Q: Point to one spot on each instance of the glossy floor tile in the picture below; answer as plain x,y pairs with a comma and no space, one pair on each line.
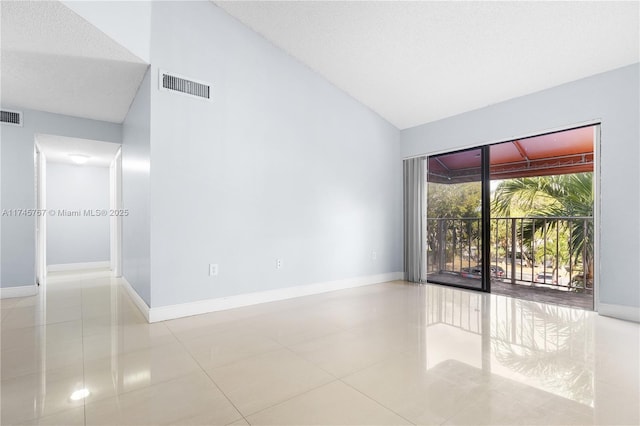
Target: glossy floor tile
262,381
172,402
332,404
80,353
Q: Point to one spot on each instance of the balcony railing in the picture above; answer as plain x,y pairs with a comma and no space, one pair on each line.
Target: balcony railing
554,252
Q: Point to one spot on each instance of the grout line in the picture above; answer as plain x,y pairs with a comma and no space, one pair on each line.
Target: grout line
206,374
376,401
313,363
203,336
335,379
293,397
256,355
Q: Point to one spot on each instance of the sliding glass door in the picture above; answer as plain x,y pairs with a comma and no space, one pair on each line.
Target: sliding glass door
456,217
515,214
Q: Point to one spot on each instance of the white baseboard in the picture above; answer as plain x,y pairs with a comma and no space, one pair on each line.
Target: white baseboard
77,266
21,291
137,300
628,313
164,313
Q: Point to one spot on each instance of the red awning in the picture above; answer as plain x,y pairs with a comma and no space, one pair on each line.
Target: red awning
569,151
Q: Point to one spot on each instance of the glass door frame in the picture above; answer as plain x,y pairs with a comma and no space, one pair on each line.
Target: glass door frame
485,219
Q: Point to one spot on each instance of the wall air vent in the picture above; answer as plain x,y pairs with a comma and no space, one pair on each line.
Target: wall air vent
13,118
175,83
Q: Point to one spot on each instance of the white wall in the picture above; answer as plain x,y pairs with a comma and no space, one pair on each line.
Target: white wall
612,98
18,188
135,193
281,164
72,239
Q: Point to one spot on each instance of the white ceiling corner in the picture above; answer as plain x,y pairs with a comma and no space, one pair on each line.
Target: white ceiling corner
53,60
56,149
414,62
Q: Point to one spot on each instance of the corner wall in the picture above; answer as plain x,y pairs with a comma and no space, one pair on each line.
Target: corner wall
136,238
612,98
279,165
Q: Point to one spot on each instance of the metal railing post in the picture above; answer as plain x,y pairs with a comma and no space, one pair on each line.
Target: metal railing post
450,239
570,255
585,272
513,251
441,245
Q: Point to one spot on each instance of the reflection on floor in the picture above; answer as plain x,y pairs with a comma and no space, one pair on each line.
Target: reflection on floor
394,353
520,291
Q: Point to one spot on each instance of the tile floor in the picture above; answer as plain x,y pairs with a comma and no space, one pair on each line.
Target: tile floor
392,353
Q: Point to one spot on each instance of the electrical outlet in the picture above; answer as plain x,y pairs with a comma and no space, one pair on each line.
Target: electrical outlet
278,263
374,255
213,269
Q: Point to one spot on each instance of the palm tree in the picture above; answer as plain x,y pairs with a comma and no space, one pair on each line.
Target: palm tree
542,197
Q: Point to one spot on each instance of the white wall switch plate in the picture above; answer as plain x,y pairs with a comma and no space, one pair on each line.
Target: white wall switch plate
213,269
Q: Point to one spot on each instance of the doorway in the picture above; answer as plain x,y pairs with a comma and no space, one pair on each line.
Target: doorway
517,217
78,197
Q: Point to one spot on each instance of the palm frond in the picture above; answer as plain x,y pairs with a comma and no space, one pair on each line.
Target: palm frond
568,196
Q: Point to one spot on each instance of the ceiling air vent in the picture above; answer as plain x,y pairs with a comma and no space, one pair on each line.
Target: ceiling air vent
13,118
190,87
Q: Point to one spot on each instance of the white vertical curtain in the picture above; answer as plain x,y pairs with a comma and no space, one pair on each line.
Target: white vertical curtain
415,232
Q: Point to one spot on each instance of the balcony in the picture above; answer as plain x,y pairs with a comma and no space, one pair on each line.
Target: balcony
535,258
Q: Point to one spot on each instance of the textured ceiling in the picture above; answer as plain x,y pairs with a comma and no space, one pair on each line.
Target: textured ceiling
55,61
57,149
415,62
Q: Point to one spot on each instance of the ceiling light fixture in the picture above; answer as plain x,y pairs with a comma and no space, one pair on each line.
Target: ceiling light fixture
79,158
79,394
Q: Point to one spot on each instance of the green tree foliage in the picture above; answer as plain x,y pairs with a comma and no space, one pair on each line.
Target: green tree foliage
454,200
542,197
445,234
561,195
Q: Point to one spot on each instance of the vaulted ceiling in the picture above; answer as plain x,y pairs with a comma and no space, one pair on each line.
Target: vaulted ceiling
411,62
419,61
